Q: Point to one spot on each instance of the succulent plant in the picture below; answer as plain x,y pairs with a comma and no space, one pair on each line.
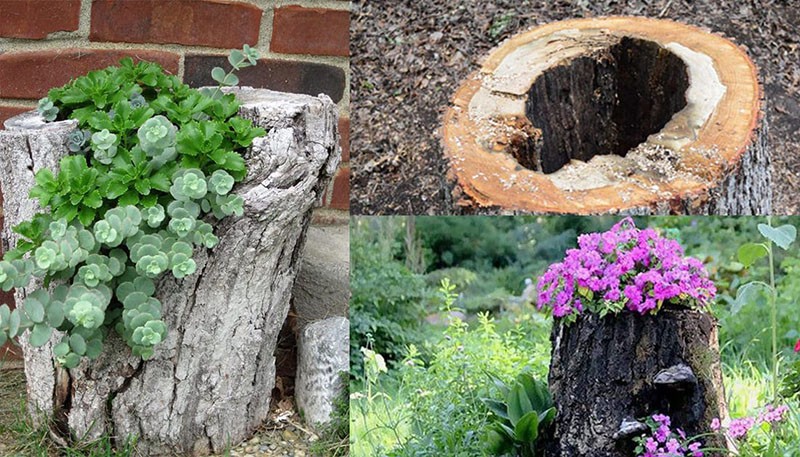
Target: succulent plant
156,135
220,182
117,224
188,184
78,140
182,223
130,211
154,215
104,146
137,101
47,110
204,235
85,307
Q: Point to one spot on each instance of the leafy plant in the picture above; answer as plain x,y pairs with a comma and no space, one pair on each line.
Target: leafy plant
525,410
152,161
748,254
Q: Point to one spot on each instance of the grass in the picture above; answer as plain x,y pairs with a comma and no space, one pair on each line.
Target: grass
378,424
19,437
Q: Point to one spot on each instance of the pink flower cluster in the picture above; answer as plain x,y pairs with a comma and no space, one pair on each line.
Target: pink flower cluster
738,428
625,265
665,442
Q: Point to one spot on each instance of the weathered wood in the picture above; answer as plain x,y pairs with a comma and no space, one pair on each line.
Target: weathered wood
209,383
608,370
624,115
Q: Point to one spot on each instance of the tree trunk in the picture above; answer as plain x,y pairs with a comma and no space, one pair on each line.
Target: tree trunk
624,115
628,367
209,383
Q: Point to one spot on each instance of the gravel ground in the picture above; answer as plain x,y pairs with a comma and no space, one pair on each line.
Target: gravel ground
408,60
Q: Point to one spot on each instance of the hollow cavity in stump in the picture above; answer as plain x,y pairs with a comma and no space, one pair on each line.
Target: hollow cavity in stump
604,104
612,115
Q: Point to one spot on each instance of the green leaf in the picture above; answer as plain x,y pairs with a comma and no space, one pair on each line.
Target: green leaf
230,80
547,417
13,323
527,428
34,309
750,252
86,216
93,200
783,236
218,74
131,197
77,344
497,407
40,334
750,293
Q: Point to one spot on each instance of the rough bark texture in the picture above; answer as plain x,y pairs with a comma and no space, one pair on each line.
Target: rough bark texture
614,115
209,382
605,371
322,356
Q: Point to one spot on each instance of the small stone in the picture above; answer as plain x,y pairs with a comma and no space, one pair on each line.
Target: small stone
289,435
299,453
255,440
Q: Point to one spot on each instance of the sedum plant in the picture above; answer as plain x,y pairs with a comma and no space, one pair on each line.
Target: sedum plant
151,166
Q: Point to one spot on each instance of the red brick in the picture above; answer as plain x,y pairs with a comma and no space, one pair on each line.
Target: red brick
5,113
32,74
315,31
340,198
344,133
220,24
35,19
281,75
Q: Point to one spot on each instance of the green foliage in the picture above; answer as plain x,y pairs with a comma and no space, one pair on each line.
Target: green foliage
525,410
386,305
150,161
445,410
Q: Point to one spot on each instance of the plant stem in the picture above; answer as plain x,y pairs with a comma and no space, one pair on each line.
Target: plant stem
774,310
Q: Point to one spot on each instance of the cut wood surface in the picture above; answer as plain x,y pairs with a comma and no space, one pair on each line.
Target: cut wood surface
623,368
610,115
209,383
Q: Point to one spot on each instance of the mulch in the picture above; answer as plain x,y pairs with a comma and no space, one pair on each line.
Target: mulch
408,57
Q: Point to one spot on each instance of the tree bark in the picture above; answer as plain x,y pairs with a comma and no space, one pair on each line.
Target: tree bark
622,368
209,383
614,115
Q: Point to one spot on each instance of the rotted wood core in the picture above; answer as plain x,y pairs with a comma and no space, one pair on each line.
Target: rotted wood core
607,103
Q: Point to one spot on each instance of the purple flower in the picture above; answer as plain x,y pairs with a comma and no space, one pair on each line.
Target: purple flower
638,269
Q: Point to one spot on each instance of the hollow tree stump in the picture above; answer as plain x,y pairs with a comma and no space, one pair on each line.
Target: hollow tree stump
209,383
610,115
606,371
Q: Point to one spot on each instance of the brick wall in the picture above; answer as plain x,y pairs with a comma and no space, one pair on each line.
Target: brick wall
303,44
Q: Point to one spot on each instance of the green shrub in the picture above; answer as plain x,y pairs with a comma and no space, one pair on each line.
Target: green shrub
386,305
447,416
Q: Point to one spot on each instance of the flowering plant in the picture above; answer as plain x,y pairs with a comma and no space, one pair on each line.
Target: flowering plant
666,442
624,267
739,428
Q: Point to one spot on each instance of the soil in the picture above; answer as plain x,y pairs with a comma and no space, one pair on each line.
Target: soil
407,61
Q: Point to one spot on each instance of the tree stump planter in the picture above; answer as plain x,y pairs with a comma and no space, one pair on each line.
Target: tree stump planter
209,383
610,115
606,371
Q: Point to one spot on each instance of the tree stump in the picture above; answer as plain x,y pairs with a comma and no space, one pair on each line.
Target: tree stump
622,115
606,371
209,383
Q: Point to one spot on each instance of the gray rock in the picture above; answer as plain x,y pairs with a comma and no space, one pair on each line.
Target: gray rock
322,289
322,354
